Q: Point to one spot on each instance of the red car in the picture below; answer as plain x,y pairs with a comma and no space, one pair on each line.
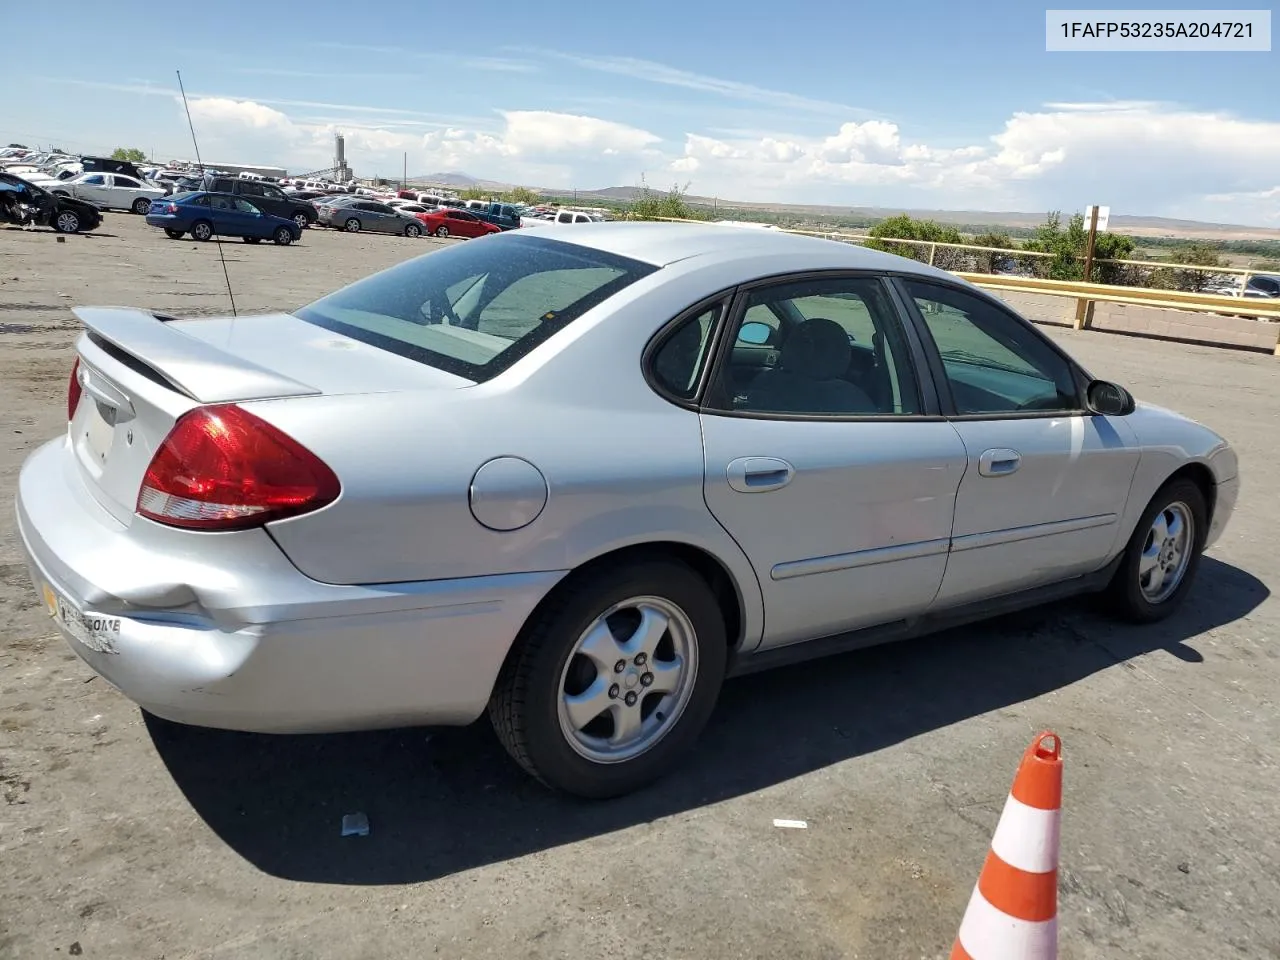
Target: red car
455,223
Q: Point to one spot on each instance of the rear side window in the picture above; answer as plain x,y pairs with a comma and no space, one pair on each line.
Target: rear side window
474,309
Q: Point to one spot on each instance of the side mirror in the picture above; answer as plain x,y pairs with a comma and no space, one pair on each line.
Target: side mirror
1109,399
755,333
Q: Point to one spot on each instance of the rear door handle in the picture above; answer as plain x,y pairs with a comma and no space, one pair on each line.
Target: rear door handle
758,474
999,462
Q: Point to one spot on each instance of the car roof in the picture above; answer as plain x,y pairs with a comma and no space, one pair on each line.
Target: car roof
661,244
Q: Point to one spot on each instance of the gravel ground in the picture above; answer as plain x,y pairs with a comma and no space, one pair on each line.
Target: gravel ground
124,836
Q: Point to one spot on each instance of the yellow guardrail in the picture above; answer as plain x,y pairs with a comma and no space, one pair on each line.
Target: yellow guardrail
1136,296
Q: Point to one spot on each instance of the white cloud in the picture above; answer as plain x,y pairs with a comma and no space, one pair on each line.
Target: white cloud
528,144
541,131
1139,157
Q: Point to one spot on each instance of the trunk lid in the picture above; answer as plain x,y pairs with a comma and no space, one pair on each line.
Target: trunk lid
139,372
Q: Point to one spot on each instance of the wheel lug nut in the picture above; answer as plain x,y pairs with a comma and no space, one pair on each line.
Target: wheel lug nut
631,698
646,680
620,666
641,658
613,692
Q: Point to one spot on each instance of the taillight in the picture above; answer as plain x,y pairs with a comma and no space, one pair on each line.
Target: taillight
73,390
222,468
173,208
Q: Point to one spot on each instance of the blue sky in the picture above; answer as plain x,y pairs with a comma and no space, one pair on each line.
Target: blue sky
907,104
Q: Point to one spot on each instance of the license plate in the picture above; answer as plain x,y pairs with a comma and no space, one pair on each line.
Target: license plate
92,630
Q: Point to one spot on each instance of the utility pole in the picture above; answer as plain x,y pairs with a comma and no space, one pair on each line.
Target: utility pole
404,183
1083,306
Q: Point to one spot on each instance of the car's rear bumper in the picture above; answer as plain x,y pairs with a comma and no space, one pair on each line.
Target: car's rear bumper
222,630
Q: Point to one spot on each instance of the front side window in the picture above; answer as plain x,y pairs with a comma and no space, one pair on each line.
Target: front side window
679,360
95,180
474,309
823,347
994,364
244,206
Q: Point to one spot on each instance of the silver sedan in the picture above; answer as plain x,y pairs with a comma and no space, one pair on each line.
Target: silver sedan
355,213
577,480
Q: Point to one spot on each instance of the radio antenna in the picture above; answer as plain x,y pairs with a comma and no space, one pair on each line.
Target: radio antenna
200,163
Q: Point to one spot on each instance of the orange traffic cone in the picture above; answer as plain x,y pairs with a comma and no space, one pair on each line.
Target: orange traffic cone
1013,913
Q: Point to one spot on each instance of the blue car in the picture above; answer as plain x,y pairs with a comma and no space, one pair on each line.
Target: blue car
203,214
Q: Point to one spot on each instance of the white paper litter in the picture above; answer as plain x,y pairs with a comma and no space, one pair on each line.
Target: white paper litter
792,824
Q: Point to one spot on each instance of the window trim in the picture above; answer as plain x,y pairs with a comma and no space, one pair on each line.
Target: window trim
915,355
942,384
724,299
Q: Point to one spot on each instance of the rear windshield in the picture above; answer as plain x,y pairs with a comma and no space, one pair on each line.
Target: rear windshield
476,307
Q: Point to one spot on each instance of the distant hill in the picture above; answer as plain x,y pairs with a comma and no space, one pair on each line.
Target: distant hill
1138,226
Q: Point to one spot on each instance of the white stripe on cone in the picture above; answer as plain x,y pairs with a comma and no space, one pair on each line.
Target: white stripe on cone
1027,837
988,934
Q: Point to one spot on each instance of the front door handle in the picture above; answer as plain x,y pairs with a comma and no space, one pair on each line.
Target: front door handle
758,474
999,462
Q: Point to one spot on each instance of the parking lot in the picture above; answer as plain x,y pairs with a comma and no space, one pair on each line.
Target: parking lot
125,836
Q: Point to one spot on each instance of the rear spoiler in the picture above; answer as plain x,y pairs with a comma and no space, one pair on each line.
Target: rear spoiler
193,367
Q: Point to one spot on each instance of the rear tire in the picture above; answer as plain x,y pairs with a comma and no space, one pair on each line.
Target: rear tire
302,220
175,234
352,225
282,237
544,705
202,230
1162,557
412,231
141,206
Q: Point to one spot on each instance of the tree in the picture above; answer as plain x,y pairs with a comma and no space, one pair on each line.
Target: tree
474,193
131,154
523,195
1199,254
1067,247
902,227
987,262
652,205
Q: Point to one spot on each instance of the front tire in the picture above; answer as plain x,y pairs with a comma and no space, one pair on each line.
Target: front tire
1163,555
613,679
67,221
202,230
442,231
142,206
282,237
